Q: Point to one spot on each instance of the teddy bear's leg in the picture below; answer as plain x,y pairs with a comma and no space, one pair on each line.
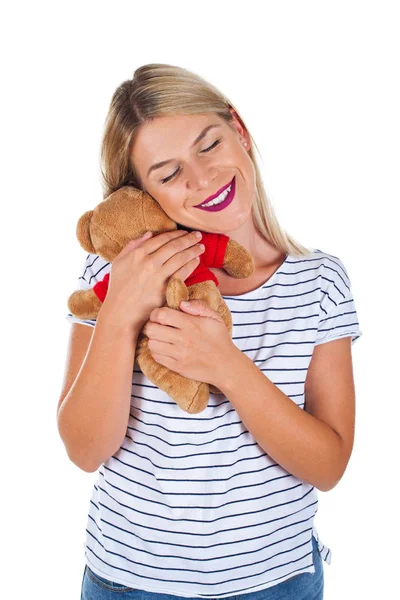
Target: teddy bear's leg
190,395
238,262
84,304
176,292
206,291
209,293
225,314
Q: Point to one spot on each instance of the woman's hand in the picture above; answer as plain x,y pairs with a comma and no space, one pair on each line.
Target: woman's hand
140,274
195,343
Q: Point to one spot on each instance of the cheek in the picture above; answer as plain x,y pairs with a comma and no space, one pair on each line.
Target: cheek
251,173
246,167
173,205
240,162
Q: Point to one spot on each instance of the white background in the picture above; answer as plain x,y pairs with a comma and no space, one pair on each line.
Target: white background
318,85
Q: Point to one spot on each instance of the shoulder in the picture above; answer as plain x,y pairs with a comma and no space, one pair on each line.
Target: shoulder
319,259
327,267
333,286
322,274
333,272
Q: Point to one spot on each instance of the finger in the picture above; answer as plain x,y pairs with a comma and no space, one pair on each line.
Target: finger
162,348
201,308
162,333
176,253
184,272
169,316
135,243
161,239
181,259
168,362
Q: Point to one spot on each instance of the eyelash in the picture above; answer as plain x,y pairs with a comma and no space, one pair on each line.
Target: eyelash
214,145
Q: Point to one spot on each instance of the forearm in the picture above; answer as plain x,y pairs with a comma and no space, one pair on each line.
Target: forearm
302,444
93,417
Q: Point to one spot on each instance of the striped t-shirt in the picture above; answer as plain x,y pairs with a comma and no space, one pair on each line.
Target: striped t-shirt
191,505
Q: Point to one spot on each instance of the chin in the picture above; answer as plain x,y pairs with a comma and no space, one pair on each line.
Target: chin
242,220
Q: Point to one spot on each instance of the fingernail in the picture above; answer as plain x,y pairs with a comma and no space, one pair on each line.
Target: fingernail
184,303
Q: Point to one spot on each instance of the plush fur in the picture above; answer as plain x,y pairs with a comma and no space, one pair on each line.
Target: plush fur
126,215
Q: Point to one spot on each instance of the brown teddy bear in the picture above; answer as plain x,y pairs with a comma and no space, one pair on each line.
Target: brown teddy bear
127,214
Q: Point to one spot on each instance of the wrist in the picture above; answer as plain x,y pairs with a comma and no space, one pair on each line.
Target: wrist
110,318
228,368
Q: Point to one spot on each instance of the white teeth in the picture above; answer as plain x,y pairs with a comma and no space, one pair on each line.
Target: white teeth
219,198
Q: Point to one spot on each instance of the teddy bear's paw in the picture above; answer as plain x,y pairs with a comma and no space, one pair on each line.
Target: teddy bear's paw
214,390
238,262
176,292
225,314
84,304
206,291
190,395
199,401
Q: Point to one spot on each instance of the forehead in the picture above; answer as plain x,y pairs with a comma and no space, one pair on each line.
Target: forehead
167,137
176,125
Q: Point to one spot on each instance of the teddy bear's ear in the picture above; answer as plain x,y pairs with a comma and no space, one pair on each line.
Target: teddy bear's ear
83,232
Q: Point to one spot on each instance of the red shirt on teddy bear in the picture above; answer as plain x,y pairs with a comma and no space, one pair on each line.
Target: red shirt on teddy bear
213,256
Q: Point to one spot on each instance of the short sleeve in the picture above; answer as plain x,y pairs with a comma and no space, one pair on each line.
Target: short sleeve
92,270
338,315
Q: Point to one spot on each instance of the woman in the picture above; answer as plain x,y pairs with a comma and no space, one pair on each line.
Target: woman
220,503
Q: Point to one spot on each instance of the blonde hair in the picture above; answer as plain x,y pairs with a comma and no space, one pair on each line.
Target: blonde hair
160,90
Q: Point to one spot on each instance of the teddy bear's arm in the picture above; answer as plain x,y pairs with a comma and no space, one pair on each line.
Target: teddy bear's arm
215,248
224,253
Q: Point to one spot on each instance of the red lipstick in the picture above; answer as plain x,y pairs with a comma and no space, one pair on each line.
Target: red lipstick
222,204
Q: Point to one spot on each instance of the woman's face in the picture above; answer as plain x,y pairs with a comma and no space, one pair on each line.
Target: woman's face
191,169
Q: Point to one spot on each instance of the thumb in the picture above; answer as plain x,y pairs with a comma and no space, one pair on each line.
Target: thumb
199,307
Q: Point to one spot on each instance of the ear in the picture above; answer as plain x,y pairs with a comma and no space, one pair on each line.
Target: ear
83,232
239,126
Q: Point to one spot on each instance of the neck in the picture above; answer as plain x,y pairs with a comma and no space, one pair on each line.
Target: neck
263,252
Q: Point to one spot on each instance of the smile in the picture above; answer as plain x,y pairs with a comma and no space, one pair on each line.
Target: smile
221,201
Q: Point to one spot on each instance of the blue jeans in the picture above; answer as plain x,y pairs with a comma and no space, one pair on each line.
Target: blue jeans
306,586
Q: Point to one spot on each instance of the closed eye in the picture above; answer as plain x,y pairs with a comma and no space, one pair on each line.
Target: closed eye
214,145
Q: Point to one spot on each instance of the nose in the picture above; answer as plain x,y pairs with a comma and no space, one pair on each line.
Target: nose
200,176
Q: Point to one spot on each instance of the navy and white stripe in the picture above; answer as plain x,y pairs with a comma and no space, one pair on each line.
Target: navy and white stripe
191,505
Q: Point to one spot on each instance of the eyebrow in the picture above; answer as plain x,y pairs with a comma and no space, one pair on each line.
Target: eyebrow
196,141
